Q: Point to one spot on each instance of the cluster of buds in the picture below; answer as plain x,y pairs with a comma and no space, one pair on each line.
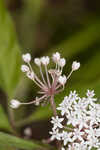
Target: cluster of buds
50,85
79,126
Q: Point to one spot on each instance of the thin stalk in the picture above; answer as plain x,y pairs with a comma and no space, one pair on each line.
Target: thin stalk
40,92
36,77
40,82
58,86
12,121
69,74
54,82
42,76
30,67
32,102
53,105
59,91
37,84
48,80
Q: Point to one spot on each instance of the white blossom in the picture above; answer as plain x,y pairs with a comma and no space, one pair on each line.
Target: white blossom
37,61
77,134
77,146
62,80
56,121
92,141
28,131
24,68
45,60
26,57
30,75
62,62
55,135
14,103
90,93
72,119
65,106
66,137
97,132
73,96
81,130
62,148
75,65
56,57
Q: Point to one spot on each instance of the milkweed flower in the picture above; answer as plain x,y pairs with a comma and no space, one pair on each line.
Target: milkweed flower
80,122
56,121
50,85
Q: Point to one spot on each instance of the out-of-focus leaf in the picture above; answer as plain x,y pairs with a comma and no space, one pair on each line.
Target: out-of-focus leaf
37,5
2,147
4,123
9,53
80,41
9,140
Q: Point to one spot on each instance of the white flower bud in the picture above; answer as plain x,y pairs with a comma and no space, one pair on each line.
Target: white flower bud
45,60
62,148
56,57
14,103
62,62
26,57
27,131
37,61
75,65
24,68
30,75
62,80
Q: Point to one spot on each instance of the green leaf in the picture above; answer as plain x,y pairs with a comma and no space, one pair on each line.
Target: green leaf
12,141
2,147
4,123
9,53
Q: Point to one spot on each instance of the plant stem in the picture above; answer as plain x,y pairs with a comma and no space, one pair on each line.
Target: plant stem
48,80
53,105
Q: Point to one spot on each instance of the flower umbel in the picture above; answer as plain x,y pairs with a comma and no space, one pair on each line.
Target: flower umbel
49,86
81,130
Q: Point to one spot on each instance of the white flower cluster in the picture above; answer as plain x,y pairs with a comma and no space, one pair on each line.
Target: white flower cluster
79,127
53,80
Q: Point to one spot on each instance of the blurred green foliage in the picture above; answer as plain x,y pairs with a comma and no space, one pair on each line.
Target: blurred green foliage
42,28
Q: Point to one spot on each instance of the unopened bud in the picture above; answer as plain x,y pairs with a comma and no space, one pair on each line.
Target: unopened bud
24,68
75,65
14,103
26,57
62,80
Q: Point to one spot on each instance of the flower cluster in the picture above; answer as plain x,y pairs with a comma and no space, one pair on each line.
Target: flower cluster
79,126
50,85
